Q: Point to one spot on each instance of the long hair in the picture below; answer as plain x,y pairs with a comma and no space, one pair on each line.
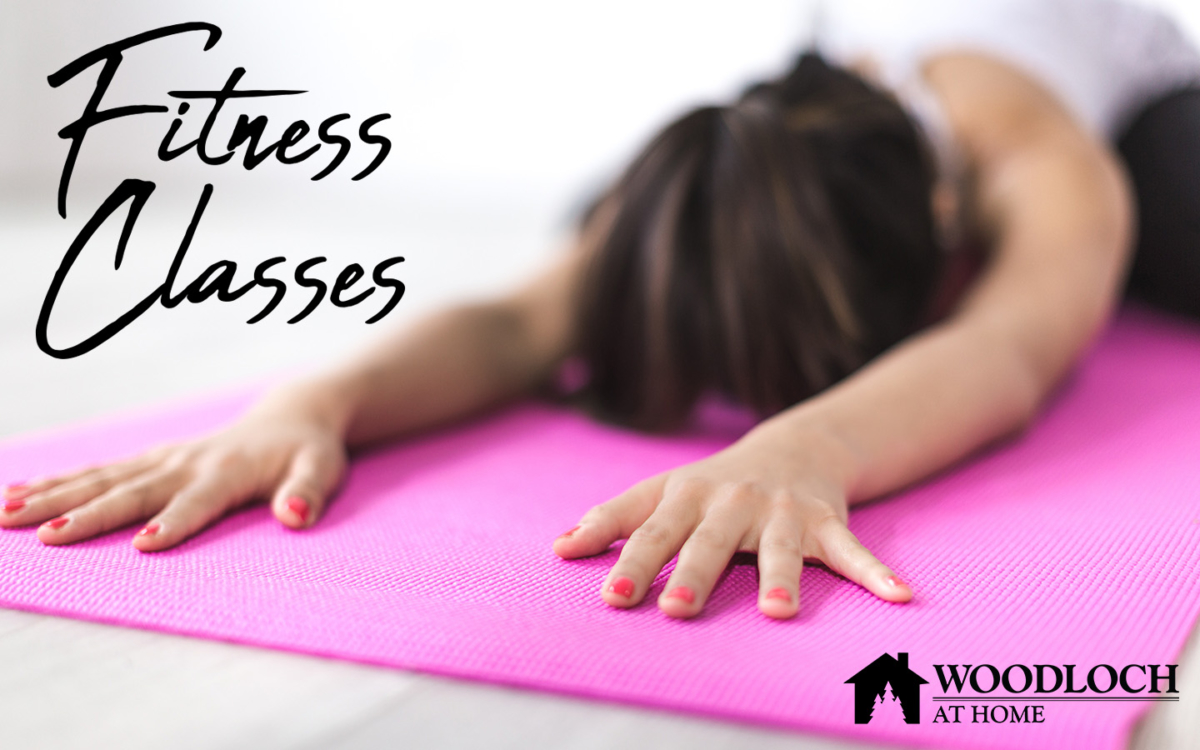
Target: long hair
765,249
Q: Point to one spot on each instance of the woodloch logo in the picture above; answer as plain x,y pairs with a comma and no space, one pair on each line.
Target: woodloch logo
888,690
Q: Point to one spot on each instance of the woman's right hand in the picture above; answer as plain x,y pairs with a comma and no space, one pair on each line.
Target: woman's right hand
281,451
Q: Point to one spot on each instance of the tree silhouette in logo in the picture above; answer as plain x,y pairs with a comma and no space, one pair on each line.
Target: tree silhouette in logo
887,709
889,684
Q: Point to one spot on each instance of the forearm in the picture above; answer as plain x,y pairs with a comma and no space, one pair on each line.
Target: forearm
922,406
444,367
959,385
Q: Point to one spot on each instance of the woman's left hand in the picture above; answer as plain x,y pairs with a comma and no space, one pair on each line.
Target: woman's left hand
762,494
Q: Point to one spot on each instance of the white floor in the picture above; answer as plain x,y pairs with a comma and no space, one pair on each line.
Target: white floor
71,684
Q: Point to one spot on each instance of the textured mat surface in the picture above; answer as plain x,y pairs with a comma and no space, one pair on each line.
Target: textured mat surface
1077,544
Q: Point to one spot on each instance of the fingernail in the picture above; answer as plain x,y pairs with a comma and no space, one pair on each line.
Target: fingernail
149,529
16,490
12,506
622,587
57,523
682,592
895,581
779,593
566,534
299,506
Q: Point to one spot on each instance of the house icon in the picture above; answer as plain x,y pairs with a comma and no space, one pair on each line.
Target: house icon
869,683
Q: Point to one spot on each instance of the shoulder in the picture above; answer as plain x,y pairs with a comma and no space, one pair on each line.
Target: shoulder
1007,124
994,107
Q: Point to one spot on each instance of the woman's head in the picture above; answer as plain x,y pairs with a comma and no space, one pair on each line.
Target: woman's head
765,249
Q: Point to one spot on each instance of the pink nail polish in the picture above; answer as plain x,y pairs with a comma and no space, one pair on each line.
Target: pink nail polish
895,581
16,491
779,593
299,506
12,506
622,587
57,523
149,530
566,534
682,592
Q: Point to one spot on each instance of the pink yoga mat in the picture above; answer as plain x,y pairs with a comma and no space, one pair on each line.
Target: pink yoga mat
1077,544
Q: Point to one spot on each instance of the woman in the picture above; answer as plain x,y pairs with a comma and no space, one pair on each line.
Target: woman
805,251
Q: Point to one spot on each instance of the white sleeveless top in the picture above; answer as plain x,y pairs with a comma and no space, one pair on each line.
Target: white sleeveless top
1104,59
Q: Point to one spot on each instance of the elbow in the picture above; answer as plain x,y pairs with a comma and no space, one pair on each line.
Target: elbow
1019,380
1030,383
1024,406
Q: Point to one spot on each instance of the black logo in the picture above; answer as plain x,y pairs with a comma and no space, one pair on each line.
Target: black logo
887,691
883,680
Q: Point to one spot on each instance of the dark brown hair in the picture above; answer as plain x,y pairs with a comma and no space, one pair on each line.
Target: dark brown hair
765,249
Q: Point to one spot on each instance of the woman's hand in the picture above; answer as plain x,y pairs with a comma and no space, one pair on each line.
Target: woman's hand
282,450
767,493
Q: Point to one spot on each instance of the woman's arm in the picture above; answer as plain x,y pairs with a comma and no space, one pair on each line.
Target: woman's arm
1060,214
449,365
291,446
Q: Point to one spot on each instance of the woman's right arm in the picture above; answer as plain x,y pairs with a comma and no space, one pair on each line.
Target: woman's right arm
456,362
290,447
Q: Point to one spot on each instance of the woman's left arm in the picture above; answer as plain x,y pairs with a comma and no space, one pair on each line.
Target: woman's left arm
1060,214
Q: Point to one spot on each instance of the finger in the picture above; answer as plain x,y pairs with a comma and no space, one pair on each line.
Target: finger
611,520
194,506
651,545
62,497
842,551
21,490
124,504
780,563
312,476
706,553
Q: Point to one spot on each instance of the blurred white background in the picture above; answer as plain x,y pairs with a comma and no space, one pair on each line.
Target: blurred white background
505,118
